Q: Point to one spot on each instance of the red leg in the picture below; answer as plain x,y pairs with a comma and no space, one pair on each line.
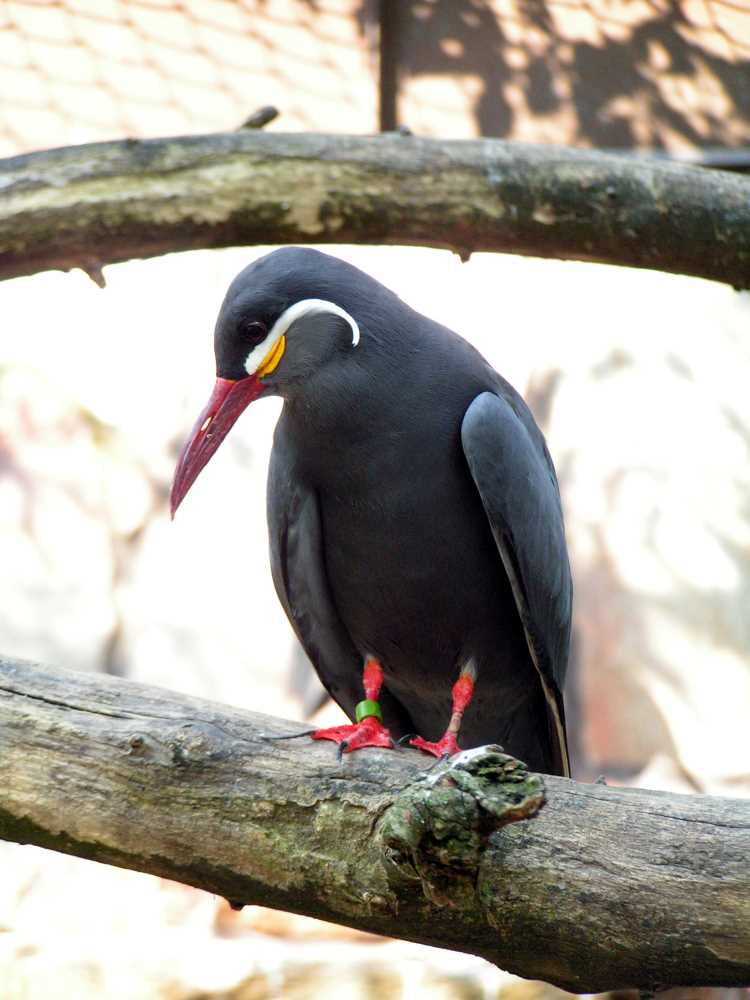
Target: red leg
369,730
462,693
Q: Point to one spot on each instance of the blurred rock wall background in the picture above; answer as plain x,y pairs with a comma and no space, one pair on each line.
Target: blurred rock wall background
639,378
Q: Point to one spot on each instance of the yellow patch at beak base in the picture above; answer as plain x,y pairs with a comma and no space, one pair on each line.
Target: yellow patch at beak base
272,359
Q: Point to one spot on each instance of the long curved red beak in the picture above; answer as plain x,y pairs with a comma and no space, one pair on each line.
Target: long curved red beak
228,400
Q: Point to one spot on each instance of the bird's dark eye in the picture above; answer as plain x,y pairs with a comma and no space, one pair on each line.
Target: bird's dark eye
253,332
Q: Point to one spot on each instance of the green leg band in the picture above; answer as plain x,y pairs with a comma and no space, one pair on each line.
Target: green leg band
368,709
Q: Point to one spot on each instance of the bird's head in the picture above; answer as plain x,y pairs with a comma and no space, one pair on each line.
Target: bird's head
280,322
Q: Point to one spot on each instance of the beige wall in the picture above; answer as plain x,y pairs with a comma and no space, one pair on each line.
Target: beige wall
89,70
609,73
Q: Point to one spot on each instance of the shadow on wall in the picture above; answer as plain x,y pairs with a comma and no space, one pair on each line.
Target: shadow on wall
589,73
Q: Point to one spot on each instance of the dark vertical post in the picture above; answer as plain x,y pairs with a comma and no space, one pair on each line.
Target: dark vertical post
388,56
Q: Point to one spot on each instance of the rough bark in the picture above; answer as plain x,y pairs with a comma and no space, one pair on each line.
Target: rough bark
86,206
586,886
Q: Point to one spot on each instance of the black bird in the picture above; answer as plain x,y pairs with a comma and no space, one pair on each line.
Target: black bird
414,513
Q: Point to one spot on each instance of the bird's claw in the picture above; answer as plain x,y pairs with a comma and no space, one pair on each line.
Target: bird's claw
370,732
436,763
288,736
443,749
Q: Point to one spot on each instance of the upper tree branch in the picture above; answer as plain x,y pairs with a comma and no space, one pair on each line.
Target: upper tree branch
602,888
86,206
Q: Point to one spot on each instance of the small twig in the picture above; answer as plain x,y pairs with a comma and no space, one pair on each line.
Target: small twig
261,117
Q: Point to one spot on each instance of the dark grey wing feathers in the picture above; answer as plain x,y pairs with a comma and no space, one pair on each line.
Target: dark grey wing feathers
298,570
512,470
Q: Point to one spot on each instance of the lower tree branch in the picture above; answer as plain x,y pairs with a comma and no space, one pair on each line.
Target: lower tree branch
588,887
86,206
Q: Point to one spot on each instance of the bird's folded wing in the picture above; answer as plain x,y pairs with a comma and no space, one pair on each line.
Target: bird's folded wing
298,570
516,481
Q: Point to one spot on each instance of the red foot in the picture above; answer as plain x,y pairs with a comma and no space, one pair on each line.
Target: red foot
367,733
445,747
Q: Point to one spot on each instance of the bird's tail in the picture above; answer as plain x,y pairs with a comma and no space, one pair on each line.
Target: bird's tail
558,736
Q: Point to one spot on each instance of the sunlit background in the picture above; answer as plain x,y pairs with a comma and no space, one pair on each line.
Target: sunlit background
639,379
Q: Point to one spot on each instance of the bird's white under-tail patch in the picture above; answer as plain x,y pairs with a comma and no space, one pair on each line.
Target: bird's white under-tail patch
291,314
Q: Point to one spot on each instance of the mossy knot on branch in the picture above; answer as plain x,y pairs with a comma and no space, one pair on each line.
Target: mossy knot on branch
436,830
